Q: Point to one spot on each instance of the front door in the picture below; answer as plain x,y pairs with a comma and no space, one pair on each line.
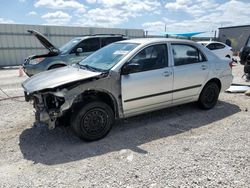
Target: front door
150,86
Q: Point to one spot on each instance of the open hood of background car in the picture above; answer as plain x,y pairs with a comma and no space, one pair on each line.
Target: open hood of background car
44,41
57,77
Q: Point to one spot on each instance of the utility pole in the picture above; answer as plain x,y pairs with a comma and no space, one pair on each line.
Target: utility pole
165,30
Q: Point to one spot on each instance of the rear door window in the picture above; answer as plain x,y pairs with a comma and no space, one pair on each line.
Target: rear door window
186,54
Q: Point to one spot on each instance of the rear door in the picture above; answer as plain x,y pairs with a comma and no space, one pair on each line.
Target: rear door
190,71
149,87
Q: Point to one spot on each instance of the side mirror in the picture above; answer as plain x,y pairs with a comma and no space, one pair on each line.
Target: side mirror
130,68
78,50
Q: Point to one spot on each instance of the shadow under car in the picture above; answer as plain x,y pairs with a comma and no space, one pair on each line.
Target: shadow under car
60,145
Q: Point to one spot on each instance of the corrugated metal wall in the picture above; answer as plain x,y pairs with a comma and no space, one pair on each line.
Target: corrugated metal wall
16,43
238,35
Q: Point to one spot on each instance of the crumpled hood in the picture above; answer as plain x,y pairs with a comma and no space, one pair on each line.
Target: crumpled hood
56,77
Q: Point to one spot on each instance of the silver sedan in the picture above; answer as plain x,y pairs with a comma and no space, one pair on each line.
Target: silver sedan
125,79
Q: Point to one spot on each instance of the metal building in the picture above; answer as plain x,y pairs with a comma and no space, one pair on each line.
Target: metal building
237,35
16,43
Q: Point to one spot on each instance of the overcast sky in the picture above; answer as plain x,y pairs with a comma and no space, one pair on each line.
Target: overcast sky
151,15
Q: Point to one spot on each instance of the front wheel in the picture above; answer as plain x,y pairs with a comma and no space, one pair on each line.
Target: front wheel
93,121
209,96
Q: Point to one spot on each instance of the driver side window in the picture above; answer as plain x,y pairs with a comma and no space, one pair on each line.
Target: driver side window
151,58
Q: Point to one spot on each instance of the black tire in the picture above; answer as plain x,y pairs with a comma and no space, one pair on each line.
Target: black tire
55,66
209,96
247,68
93,121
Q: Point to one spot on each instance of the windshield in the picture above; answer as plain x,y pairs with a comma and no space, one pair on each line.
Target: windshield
66,47
105,58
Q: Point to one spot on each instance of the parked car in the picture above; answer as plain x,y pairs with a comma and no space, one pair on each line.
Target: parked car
125,79
245,58
72,52
218,48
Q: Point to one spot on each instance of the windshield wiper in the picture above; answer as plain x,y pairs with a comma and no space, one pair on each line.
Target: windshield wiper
90,68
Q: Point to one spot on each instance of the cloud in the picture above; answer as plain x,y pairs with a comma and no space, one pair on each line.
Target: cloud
57,18
194,8
22,1
111,13
154,27
3,20
130,5
204,16
102,18
91,1
60,4
32,13
178,4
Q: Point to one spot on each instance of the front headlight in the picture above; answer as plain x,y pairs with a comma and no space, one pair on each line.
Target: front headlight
36,61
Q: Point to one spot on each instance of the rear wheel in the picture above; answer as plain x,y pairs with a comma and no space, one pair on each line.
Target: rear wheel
93,121
209,96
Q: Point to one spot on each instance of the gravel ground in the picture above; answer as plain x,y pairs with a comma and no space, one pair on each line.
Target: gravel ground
176,147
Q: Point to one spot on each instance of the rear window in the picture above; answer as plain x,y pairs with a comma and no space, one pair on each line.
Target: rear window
219,46
215,46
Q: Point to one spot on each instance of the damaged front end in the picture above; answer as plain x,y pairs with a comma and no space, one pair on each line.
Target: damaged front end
49,106
54,92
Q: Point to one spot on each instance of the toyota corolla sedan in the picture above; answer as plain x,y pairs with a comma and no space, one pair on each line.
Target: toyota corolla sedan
125,79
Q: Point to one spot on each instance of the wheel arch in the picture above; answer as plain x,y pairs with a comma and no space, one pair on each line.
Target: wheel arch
216,80
99,95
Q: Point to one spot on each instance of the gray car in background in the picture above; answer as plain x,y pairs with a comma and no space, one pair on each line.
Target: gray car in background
70,53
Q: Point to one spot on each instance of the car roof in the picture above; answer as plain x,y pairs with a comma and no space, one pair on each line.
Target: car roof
100,36
153,40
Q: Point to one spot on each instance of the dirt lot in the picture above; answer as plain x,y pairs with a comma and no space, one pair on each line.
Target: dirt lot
176,147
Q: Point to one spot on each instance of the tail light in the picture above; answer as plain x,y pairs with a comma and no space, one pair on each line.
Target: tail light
231,64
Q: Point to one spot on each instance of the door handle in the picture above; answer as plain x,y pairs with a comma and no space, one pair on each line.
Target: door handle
203,67
167,73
